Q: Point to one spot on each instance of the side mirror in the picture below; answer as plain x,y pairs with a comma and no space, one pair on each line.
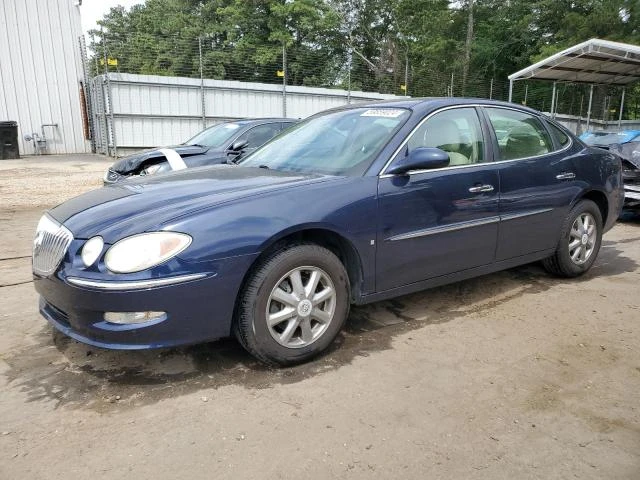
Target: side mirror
239,145
421,158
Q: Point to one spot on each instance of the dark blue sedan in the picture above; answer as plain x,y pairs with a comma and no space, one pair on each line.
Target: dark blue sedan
353,205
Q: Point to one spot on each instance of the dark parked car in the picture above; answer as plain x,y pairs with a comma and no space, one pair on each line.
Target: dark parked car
351,206
220,143
625,144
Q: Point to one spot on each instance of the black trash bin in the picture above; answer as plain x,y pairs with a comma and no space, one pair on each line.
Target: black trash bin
9,140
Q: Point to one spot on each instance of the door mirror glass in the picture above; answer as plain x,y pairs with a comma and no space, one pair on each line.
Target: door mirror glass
421,158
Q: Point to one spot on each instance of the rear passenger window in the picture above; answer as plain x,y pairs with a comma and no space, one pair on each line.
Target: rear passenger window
561,137
519,134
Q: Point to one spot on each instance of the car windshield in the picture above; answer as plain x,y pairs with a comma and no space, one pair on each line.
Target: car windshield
608,138
216,136
337,143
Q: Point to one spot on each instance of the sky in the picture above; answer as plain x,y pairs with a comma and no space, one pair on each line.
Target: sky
93,10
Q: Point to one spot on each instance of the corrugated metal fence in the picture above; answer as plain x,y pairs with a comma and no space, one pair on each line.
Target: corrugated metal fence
131,112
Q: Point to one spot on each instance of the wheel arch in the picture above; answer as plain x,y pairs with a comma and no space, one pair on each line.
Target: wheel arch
321,235
600,199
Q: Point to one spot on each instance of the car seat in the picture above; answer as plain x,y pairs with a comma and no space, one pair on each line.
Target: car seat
523,141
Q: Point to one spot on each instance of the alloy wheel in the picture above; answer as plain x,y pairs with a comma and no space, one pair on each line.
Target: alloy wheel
582,238
301,306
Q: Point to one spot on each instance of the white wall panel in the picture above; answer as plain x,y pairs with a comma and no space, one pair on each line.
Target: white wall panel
150,110
41,70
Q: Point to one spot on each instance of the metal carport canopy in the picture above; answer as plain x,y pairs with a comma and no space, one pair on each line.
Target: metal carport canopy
594,62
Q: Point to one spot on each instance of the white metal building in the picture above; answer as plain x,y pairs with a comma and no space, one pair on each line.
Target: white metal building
41,73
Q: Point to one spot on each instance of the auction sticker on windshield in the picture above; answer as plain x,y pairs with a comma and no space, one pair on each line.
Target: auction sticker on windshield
383,112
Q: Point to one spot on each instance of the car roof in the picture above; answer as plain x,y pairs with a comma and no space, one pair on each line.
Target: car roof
256,121
428,103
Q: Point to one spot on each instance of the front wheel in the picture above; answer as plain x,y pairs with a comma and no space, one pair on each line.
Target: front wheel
293,306
580,240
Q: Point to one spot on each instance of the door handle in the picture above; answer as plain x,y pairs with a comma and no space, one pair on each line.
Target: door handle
481,188
566,176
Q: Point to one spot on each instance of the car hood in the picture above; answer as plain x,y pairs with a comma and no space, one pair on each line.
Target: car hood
145,205
131,163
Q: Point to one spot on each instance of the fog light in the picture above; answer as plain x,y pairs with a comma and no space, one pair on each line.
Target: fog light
125,318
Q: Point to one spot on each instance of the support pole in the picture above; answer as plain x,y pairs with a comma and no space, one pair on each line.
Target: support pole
510,90
204,118
406,73
491,90
553,99
526,93
349,60
621,107
284,81
589,108
111,133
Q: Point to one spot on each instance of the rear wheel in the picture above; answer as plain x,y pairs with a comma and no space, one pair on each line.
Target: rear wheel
293,306
580,241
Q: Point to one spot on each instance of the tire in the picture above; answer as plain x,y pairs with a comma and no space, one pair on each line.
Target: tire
573,256
280,287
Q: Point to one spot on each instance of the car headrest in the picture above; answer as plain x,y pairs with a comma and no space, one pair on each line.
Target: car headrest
522,141
443,133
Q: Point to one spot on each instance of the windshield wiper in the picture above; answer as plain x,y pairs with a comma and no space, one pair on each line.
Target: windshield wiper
266,167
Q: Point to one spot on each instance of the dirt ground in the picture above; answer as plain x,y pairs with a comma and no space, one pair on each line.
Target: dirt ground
515,375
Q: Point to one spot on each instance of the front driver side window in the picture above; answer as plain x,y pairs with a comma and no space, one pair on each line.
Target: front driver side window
456,131
259,135
519,134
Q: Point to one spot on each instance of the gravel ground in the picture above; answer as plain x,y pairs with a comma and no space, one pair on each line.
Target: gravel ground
515,375
47,180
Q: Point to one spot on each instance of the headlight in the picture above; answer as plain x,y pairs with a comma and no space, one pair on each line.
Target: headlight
146,250
91,251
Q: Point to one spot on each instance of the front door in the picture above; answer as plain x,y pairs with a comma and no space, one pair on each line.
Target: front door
441,221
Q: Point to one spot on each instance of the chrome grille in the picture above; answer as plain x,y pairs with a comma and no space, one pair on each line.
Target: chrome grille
49,246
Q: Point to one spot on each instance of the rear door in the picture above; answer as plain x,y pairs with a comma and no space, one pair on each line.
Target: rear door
436,222
537,181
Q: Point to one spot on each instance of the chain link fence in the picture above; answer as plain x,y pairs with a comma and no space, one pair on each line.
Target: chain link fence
205,58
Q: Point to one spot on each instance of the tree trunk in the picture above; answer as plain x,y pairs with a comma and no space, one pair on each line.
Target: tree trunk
467,49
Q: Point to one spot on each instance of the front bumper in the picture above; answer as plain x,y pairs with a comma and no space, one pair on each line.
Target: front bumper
197,311
631,195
